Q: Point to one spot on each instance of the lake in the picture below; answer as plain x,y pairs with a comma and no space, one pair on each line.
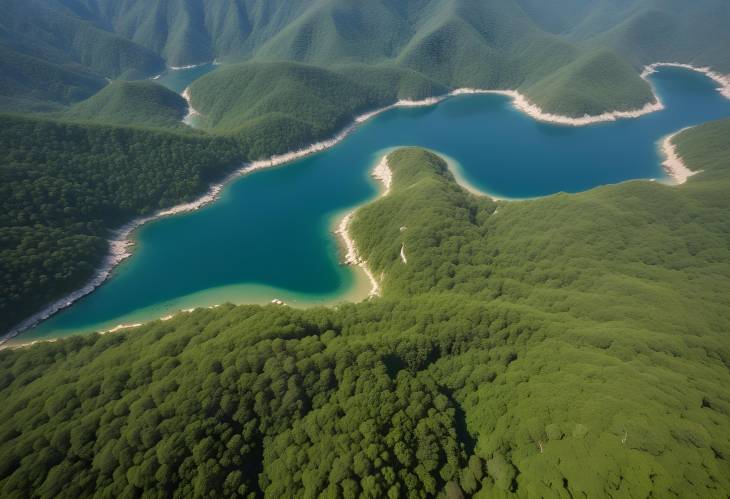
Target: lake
178,80
269,235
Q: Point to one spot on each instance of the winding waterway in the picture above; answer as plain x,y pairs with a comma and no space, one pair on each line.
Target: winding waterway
269,235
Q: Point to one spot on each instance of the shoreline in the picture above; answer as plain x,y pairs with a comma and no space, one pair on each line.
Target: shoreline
120,242
673,163
192,112
178,68
383,173
721,79
214,62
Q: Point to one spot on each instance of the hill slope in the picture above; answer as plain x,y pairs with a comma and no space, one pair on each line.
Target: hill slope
485,369
493,44
490,44
312,99
31,84
644,31
132,103
591,84
64,186
47,51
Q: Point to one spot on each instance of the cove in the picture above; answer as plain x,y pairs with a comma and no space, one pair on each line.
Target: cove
269,235
177,80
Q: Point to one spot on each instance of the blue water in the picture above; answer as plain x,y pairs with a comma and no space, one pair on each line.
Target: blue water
178,80
269,235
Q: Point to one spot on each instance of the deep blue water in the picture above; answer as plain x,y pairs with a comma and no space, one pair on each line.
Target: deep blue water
269,235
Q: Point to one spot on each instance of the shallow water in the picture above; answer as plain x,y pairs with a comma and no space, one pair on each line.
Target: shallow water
178,80
269,235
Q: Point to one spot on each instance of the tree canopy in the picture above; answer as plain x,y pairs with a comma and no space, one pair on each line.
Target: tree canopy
572,345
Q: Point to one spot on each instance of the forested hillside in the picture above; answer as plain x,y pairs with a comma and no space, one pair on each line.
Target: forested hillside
51,52
140,103
643,31
570,346
304,102
63,186
567,346
55,52
312,66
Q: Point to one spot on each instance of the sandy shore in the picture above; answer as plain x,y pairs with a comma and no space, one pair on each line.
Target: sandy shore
120,242
673,163
188,66
523,104
192,112
720,79
383,173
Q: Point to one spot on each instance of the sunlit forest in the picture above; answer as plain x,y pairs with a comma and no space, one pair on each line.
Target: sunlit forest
518,351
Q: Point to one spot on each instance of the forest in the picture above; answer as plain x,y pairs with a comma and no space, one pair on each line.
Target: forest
64,187
288,80
519,352
568,346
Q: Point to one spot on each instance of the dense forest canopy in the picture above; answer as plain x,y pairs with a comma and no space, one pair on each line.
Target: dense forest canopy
485,369
574,345
64,186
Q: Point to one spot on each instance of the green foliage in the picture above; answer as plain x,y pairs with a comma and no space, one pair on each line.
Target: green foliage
646,31
53,52
454,44
132,103
591,84
31,84
560,54
241,97
436,44
572,345
63,186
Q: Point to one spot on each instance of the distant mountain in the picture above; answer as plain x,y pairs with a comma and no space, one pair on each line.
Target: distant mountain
31,84
643,31
486,43
52,53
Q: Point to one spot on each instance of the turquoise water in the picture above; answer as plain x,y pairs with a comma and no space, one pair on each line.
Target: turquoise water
269,235
178,79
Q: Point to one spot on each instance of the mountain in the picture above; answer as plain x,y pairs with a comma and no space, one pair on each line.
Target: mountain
238,97
31,84
47,45
643,31
502,44
591,84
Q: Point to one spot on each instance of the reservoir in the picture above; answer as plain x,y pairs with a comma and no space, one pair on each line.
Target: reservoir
269,235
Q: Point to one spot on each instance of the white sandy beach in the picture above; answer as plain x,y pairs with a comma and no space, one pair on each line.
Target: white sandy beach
187,66
720,79
192,112
673,163
120,242
523,104
384,174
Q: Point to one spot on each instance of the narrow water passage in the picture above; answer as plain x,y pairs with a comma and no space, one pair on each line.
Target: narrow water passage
270,233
